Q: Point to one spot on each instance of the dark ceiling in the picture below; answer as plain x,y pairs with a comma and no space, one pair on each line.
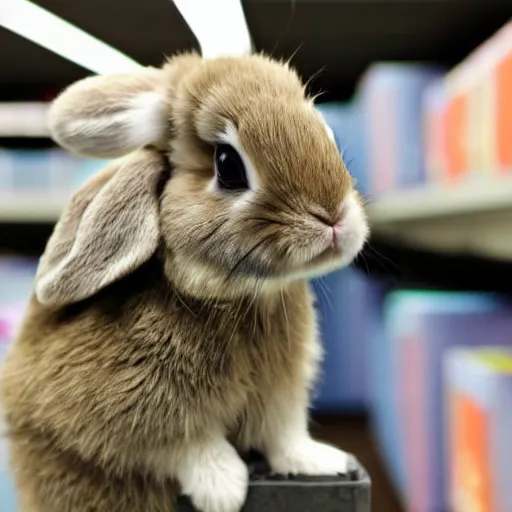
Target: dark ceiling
333,40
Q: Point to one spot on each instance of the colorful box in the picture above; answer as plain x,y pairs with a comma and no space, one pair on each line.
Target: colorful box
478,386
5,170
85,168
504,100
420,327
391,98
434,107
37,173
11,316
7,490
40,171
382,393
16,278
479,111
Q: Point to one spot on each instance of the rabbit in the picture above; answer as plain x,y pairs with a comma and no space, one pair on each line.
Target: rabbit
172,327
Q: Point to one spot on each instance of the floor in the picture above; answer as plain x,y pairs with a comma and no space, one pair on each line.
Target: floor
353,435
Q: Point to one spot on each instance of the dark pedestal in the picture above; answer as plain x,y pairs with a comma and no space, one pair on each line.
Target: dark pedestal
269,493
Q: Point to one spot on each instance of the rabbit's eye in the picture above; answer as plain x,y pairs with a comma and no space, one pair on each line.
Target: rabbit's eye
230,168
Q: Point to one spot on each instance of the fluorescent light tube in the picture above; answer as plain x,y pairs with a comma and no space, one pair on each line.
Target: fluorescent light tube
53,33
219,26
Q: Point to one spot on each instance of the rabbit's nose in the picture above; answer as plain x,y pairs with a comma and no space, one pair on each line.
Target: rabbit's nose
333,220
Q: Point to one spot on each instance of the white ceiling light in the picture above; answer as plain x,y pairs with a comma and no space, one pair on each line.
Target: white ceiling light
63,38
219,26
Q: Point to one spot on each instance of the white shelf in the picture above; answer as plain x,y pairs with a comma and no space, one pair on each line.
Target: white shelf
475,218
33,209
471,219
24,119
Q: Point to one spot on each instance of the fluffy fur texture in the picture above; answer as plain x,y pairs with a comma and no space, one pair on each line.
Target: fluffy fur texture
172,326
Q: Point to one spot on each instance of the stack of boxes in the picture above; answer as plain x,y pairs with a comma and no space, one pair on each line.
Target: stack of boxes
421,328
470,109
426,128
16,278
391,97
479,425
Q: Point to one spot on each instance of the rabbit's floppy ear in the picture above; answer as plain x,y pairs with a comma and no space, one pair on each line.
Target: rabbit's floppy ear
109,228
110,116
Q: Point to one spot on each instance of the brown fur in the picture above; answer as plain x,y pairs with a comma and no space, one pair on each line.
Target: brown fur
90,389
118,365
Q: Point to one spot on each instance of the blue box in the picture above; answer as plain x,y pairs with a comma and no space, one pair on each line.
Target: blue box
346,121
348,310
391,96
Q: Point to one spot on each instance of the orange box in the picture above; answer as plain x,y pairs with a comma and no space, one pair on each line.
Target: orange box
456,137
469,452
479,111
504,113
478,386
434,132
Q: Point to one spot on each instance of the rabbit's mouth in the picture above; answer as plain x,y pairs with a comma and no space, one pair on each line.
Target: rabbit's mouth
328,260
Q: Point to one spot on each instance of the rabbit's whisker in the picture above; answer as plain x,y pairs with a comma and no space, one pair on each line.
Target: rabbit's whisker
183,303
247,255
286,321
382,258
325,291
212,232
266,220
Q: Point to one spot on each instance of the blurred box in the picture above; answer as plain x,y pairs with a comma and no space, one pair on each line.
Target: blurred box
16,283
346,121
9,502
348,309
503,108
85,168
479,111
16,278
41,171
5,170
421,326
382,395
479,426
434,107
44,172
391,96
11,316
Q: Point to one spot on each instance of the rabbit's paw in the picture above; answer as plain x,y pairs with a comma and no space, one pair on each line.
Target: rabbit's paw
309,457
217,480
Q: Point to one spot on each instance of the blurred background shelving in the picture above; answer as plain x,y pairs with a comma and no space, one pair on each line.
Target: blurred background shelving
471,219
419,96
30,209
24,119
